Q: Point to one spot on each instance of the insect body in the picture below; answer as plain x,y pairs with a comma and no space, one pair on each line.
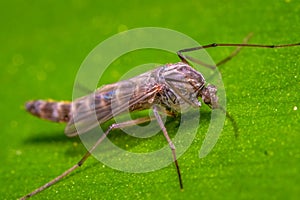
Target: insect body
50,110
172,86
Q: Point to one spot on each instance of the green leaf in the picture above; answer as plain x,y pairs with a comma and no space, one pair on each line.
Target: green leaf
43,44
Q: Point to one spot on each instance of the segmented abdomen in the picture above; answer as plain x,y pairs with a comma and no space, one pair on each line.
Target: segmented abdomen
50,110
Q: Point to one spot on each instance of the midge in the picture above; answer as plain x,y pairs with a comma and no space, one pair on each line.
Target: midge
172,86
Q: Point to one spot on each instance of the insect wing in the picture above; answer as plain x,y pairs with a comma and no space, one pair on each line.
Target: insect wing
102,105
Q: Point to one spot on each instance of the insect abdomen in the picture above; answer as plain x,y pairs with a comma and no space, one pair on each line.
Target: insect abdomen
50,110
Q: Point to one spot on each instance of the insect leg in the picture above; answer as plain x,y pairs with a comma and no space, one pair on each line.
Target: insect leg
235,52
234,124
83,159
185,58
172,146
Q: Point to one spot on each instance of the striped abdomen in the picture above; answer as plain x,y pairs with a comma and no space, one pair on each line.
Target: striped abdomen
50,110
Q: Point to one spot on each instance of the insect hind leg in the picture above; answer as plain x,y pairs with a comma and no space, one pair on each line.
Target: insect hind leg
88,154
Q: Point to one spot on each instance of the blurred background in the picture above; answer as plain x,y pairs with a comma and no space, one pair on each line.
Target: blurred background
43,44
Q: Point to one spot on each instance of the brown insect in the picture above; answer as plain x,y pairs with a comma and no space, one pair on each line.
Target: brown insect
171,86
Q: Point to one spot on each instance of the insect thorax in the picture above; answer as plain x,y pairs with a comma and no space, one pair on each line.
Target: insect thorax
181,86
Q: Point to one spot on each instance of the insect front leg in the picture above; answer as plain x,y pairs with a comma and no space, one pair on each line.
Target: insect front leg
87,155
172,146
185,58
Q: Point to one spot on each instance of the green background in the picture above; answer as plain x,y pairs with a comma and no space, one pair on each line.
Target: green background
42,45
